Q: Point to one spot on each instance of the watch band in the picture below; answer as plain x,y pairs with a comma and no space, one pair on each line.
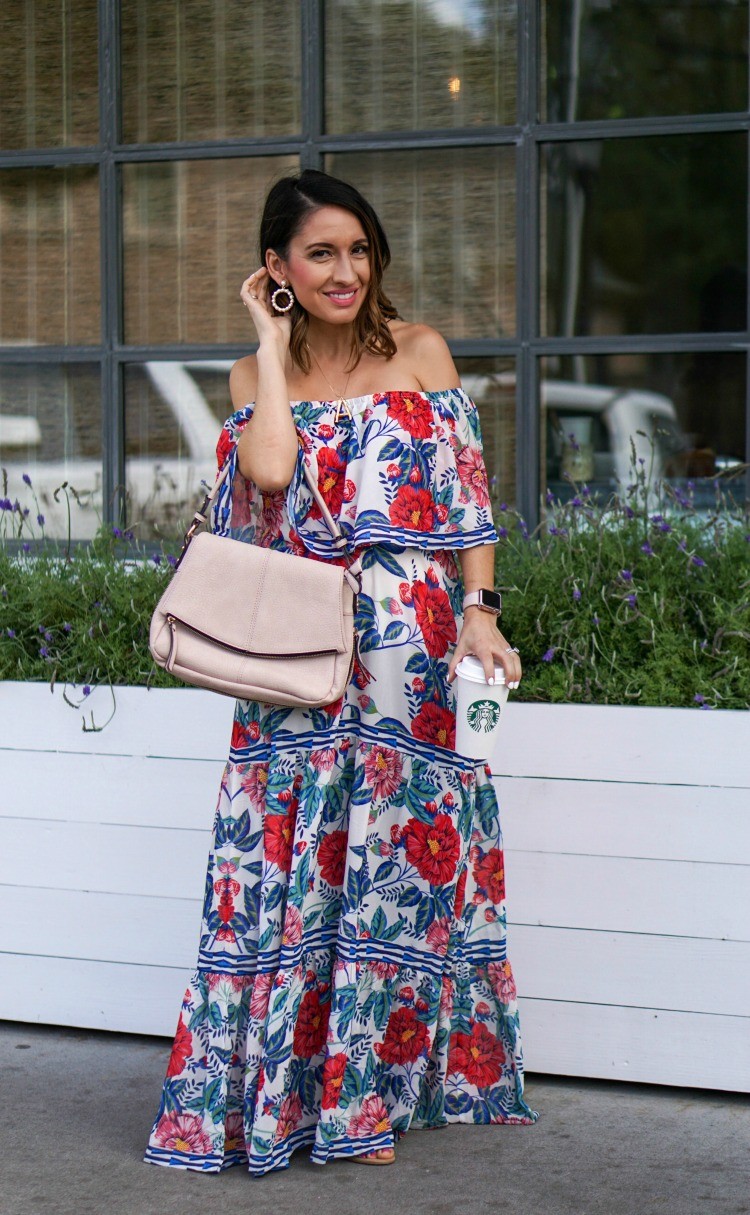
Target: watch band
485,599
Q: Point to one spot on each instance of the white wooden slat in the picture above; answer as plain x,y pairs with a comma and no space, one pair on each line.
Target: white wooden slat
613,742
92,995
113,859
186,722
130,790
101,927
694,1050
631,969
680,898
603,818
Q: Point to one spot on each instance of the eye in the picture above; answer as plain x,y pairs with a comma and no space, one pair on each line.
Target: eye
318,253
365,249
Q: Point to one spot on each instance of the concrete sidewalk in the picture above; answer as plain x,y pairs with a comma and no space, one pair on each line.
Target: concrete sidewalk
77,1108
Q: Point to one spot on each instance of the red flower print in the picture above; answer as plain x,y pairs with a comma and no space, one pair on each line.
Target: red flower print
458,906
473,475
331,479
434,617
325,431
350,490
333,1078
383,970
441,510
289,1115
260,996
383,768
181,1048
435,724
254,784
323,759
478,1056
234,1132
334,708
292,934
412,509
405,1037
489,875
278,837
240,736
332,857
271,518
312,1026
433,848
503,983
412,413
404,592
372,1118
182,1133
224,448
447,562
438,935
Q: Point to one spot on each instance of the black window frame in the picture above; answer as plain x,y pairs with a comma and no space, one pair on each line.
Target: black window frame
528,135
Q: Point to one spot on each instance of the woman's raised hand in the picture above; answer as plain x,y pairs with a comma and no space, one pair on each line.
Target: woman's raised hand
269,325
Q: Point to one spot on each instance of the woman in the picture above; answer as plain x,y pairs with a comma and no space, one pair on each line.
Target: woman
352,980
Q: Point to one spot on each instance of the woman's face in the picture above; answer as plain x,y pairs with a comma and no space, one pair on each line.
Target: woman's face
328,267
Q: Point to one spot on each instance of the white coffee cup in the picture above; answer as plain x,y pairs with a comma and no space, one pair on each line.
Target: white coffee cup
479,708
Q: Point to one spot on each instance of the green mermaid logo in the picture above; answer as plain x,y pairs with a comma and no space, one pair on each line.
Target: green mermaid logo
483,716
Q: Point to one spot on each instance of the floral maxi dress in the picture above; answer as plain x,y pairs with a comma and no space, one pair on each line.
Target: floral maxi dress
352,980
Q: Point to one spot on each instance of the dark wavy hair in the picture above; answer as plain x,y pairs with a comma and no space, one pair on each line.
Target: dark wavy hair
290,201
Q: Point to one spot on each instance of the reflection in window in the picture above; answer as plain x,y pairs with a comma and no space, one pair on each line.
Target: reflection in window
450,221
683,414
190,239
646,235
50,430
395,67
49,256
491,384
48,73
209,69
643,58
173,416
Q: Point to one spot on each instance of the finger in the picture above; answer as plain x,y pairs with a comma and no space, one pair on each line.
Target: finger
458,654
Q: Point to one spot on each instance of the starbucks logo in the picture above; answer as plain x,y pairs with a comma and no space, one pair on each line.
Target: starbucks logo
483,716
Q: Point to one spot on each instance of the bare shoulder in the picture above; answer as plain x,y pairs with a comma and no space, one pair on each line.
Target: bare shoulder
243,380
427,355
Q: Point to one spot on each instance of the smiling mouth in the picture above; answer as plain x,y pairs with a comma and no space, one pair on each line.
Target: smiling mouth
341,296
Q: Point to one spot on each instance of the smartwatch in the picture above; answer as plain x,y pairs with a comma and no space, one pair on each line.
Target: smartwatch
488,601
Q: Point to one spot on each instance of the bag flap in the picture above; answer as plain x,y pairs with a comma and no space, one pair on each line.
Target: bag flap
258,600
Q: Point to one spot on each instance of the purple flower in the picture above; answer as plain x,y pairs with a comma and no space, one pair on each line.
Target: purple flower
503,506
6,504
47,635
647,549
699,700
156,558
682,545
26,547
665,527
26,478
656,518
87,690
44,652
632,599
502,532
629,512
172,560
550,497
40,628
117,533
697,561
67,628
586,491
550,654
128,535
626,575
576,594
596,622
40,520
11,632
576,501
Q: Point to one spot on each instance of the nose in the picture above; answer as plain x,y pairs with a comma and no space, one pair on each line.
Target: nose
344,271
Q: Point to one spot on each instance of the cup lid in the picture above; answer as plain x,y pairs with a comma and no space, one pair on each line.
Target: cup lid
471,668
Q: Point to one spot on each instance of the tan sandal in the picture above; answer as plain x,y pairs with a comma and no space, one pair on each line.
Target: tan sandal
376,1157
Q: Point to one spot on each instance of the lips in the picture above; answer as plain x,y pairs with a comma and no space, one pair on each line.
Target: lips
342,299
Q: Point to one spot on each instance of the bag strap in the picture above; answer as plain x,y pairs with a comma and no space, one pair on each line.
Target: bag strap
353,571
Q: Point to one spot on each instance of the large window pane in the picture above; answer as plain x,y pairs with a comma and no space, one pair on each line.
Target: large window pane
173,416
645,235
404,66
491,384
684,415
48,73
637,58
209,69
50,430
450,221
190,239
49,256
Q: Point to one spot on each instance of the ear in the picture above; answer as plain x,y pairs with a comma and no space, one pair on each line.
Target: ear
275,266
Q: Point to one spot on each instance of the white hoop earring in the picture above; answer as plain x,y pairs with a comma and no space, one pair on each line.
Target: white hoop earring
282,290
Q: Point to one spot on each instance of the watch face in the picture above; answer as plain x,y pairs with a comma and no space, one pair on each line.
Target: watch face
491,599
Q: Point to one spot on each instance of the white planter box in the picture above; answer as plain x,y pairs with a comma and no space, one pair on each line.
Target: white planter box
627,833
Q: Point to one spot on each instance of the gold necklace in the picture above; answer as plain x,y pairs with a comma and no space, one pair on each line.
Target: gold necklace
340,401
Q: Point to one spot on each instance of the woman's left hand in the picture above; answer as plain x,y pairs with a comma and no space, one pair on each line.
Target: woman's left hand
481,637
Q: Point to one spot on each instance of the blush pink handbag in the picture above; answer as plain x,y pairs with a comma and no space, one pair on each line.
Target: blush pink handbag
256,623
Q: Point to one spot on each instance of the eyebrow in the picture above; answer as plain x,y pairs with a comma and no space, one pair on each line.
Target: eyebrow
327,244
